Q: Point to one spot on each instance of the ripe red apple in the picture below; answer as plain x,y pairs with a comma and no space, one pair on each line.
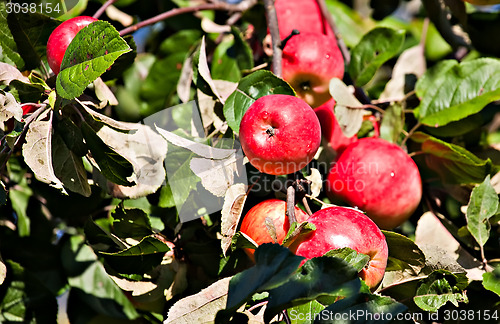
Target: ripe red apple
310,61
61,37
339,227
379,178
302,15
280,134
330,128
254,222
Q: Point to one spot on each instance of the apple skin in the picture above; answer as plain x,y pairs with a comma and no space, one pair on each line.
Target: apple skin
339,227
280,134
330,128
302,15
254,225
61,37
309,62
379,178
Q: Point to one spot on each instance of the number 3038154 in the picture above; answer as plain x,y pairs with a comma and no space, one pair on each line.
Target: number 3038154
43,8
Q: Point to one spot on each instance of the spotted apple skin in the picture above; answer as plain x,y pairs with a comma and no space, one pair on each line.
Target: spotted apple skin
379,178
254,222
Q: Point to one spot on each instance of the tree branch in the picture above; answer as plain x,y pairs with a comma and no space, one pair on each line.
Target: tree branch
219,5
342,46
101,10
272,23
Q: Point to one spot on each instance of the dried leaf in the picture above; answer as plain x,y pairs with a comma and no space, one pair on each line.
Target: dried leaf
145,150
184,84
217,175
431,235
104,93
234,202
9,73
495,182
37,150
349,117
316,182
9,107
201,307
204,70
202,150
411,61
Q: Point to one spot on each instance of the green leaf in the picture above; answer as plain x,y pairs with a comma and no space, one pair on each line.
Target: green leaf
230,57
404,254
491,280
241,241
132,223
69,168
251,88
112,165
305,313
454,163
7,42
93,50
181,41
71,135
439,288
318,277
19,197
374,49
31,32
26,297
357,260
88,278
274,267
297,230
483,205
392,123
451,91
139,258
26,92
371,308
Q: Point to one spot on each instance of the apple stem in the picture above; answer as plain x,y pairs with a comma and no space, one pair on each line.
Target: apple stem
284,41
103,8
290,204
272,22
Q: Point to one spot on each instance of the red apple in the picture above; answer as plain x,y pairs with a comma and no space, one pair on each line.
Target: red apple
280,134
339,227
309,62
254,222
302,15
61,37
379,178
29,108
330,128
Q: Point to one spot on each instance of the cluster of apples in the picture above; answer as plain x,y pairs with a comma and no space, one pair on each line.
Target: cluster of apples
280,135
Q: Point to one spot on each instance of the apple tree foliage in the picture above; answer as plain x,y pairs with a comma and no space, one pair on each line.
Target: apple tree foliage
89,229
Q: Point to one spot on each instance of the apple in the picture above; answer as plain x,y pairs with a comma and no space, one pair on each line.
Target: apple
330,128
310,61
61,37
302,15
483,2
379,178
340,227
279,134
254,222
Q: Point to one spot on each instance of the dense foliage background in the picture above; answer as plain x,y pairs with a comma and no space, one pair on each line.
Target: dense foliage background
90,228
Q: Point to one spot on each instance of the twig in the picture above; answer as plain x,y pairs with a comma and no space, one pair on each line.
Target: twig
272,23
389,100
410,133
306,205
368,106
103,8
290,204
342,46
219,5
